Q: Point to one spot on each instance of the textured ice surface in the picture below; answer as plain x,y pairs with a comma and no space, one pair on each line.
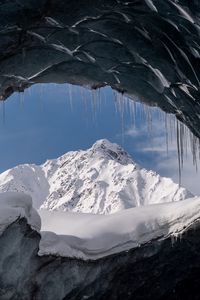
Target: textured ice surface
148,49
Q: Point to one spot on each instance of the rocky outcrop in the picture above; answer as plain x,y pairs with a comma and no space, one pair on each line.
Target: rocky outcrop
157,270
148,49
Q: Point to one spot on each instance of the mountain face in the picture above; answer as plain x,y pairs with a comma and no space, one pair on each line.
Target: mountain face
101,180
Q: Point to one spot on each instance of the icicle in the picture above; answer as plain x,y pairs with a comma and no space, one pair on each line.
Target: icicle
82,96
181,142
172,240
115,102
103,97
166,135
178,151
94,104
131,108
186,142
99,100
70,96
122,117
193,144
149,121
85,102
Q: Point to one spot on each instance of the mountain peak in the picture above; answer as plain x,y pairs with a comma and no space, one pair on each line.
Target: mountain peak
111,150
103,180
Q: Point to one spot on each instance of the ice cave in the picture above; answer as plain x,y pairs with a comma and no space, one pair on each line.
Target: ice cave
94,223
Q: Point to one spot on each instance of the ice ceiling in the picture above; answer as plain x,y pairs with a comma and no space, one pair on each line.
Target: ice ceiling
147,49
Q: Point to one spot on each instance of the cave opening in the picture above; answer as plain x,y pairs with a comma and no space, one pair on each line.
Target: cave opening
145,132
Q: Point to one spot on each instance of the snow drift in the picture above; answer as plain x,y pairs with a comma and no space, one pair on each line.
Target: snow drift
89,236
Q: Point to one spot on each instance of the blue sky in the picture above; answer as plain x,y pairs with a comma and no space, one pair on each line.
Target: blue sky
49,120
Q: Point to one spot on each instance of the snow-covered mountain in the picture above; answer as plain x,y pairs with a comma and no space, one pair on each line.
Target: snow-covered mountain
103,179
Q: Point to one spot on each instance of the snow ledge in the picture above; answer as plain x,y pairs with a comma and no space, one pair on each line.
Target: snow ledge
89,236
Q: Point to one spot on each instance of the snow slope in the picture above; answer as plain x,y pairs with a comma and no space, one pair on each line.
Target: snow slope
101,180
